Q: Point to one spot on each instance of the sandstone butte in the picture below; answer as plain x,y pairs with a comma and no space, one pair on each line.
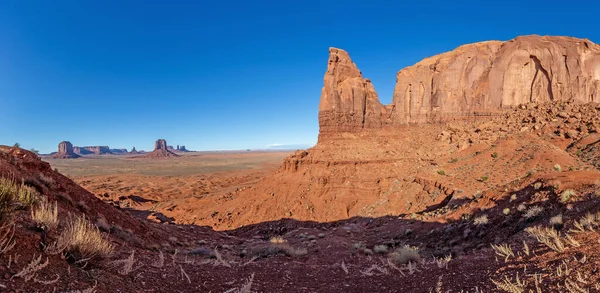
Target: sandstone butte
474,80
65,151
161,150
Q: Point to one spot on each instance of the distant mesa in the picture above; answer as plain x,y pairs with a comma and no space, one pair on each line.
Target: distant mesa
92,150
119,151
65,151
133,151
178,149
161,150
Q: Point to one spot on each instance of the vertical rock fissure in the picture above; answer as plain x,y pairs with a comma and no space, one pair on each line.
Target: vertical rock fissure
364,109
538,67
566,66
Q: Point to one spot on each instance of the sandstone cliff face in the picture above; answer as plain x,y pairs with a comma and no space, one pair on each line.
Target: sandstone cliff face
65,151
480,79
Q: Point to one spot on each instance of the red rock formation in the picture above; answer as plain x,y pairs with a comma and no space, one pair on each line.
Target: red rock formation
480,79
348,101
65,151
161,150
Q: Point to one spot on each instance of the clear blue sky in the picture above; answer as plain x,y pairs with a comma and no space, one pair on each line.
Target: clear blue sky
224,74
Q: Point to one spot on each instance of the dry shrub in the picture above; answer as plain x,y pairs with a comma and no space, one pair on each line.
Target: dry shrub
556,221
127,264
508,285
533,212
566,195
405,255
13,196
7,241
8,196
277,240
380,249
47,180
30,271
503,250
547,236
481,220
45,215
282,248
27,195
82,240
587,222
102,224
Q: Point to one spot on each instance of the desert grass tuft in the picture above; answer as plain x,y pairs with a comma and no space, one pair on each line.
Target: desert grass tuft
45,215
14,196
82,240
481,220
548,236
566,195
405,254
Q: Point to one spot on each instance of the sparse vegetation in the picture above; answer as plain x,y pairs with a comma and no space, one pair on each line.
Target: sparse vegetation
508,285
7,241
557,168
556,222
280,248
442,262
453,160
494,155
506,211
503,250
547,236
13,196
405,254
481,220
588,222
127,264
45,215
277,240
566,195
533,212
380,249
82,240
28,196
441,172
30,271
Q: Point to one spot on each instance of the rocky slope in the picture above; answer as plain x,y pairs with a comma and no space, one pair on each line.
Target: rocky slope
474,80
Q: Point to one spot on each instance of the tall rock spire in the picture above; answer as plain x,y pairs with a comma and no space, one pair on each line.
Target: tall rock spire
348,101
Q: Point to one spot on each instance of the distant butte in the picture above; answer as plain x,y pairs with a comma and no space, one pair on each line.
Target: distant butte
161,150
65,151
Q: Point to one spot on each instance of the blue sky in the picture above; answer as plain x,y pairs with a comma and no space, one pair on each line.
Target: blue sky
224,74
